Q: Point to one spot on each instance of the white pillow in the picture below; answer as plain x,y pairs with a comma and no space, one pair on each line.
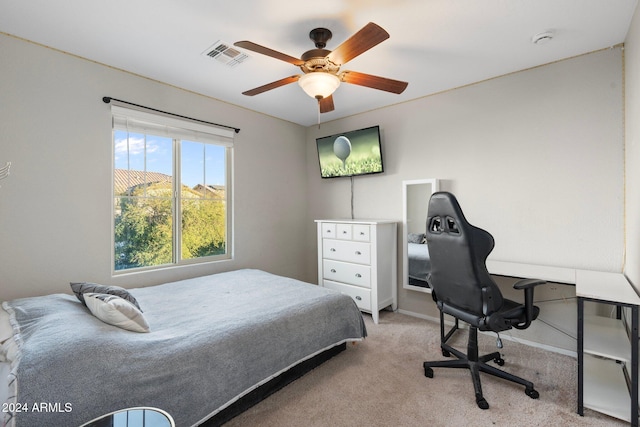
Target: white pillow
116,311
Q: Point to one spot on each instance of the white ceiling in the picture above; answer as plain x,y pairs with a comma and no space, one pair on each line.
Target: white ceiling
435,45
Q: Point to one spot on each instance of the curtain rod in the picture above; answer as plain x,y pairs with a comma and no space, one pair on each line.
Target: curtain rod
108,99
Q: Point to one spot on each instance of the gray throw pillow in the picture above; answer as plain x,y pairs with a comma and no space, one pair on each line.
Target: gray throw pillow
80,288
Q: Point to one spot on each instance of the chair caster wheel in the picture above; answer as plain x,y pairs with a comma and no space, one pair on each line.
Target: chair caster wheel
482,403
532,393
499,361
445,353
428,372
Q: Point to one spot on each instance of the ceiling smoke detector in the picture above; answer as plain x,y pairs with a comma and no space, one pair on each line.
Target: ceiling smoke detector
542,38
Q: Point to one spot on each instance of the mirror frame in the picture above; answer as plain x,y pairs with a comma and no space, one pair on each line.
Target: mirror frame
435,186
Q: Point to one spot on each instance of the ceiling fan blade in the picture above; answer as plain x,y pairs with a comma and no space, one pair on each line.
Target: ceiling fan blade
269,52
326,104
375,82
369,36
272,85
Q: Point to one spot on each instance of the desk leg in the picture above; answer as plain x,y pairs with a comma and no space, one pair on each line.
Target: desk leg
580,356
634,366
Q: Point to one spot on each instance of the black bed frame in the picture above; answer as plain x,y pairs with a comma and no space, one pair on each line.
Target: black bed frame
270,387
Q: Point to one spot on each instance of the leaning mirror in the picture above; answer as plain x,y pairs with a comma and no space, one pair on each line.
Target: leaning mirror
416,265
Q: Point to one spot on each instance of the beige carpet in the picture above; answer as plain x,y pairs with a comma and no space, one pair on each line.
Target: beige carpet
381,382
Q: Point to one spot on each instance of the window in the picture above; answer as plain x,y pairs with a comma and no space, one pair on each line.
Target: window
171,191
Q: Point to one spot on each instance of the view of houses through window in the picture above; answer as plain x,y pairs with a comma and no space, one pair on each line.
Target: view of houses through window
170,200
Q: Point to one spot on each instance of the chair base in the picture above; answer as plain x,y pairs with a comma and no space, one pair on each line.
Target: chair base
474,363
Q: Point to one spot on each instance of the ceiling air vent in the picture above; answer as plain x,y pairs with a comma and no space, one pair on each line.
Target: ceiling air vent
225,53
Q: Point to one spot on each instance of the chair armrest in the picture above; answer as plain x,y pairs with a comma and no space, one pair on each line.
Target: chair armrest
527,286
528,283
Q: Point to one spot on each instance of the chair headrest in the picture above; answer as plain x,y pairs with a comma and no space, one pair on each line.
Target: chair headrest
445,215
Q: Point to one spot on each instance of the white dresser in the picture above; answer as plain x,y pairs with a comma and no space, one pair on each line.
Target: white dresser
359,258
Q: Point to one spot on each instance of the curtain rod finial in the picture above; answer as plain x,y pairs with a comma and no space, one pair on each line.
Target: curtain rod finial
106,99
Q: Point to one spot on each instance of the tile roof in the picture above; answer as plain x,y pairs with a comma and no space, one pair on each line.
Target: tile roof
124,179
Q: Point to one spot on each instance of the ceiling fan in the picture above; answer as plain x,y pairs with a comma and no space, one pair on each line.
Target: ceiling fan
321,67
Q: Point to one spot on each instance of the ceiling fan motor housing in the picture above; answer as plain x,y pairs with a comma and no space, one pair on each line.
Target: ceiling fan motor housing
315,59
320,37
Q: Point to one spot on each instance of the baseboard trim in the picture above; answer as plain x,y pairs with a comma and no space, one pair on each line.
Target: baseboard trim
420,315
505,336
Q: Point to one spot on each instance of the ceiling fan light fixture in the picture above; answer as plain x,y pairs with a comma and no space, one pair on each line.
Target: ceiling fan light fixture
319,84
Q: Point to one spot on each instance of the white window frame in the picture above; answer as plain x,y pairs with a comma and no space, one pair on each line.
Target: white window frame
159,124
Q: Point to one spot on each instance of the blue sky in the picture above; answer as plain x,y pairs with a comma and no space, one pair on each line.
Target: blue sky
201,163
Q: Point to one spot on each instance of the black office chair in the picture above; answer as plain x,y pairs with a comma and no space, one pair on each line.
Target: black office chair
463,288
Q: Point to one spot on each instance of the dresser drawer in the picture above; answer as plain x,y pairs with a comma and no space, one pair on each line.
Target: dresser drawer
328,230
343,231
361,232
361,296
346,250
354,274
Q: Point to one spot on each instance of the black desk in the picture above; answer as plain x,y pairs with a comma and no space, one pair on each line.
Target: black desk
608,347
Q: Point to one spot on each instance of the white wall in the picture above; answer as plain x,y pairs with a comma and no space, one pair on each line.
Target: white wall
535,157
55,206
632,135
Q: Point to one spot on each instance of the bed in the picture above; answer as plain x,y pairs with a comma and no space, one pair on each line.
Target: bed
216,345
419,261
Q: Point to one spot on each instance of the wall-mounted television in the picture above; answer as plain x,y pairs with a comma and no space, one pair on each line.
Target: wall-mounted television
357,152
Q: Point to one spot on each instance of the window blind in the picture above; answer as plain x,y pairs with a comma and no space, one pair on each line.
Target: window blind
133,120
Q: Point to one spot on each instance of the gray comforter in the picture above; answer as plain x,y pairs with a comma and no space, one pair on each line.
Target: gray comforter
212,340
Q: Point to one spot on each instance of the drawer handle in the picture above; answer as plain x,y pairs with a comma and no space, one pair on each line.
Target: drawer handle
333,270
358,253
344,232
359,298
332,249
362,233
358,275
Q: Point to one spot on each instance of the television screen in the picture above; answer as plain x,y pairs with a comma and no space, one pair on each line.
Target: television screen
352,153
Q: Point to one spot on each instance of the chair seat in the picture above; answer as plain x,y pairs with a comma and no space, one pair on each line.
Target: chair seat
511,313
516,312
